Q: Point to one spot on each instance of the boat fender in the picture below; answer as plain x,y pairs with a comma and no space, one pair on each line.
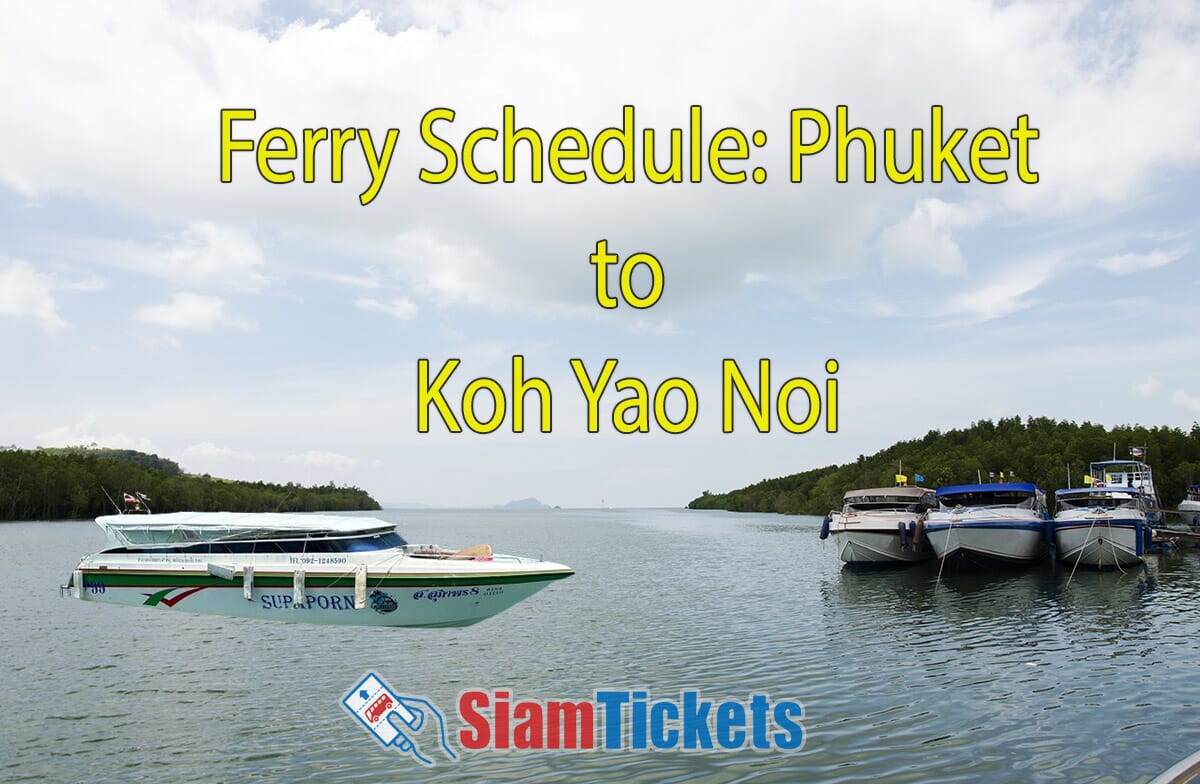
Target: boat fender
919,533
903,533
825,526
912,531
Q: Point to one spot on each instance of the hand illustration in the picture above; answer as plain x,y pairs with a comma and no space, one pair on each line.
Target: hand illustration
418,708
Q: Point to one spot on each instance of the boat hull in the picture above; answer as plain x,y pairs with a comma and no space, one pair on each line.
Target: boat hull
875,538
986,538
411,600
1100,540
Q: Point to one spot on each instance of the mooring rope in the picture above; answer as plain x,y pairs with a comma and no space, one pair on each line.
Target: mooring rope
1082,547
1113,547
945,553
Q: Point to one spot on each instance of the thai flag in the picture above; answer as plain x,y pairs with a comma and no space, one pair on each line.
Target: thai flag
1136,451
129,499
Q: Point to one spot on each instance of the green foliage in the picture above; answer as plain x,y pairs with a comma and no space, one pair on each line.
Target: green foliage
153,462
1038,450
52,484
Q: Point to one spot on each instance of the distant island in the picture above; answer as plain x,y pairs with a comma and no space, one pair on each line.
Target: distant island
1037,450
67,483
525,503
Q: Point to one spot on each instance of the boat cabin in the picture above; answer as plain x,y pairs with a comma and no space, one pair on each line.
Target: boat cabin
1122,473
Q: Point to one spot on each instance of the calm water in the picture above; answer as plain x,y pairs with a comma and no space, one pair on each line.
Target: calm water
997,678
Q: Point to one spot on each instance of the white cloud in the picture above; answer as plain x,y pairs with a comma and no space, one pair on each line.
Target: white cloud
1129,263
332,460
1006,293
204,255
207,451
193,311
1147,387
85,433
26,293
1187,401
923,242
514,244
401,308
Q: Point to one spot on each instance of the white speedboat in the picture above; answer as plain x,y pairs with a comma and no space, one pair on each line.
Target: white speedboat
881,525
354,571
1189,508
987,525
1101,526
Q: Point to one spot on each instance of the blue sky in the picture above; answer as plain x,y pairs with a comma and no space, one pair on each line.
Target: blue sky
272,332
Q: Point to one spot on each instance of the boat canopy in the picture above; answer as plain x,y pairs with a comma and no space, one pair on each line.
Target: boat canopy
991,487
184,528
1015,494
898,492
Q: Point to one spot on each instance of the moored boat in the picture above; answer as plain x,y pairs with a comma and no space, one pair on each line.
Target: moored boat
1189,507
881,525
1101,526
324,569
985,525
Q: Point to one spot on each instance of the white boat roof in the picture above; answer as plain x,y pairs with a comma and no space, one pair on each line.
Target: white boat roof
282,520
146,529
908,491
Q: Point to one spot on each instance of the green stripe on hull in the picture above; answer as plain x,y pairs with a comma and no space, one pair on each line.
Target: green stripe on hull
117,578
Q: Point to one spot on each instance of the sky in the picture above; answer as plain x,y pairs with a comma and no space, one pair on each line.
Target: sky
272,331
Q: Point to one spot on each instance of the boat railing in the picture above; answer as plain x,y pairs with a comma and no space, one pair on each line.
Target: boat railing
987,507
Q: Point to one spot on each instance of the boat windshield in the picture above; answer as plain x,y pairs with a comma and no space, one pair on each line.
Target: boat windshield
351,544
1098,501
162,532
1014,498
877,503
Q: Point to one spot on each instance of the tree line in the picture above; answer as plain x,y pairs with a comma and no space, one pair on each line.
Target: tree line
1049,453
55,484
